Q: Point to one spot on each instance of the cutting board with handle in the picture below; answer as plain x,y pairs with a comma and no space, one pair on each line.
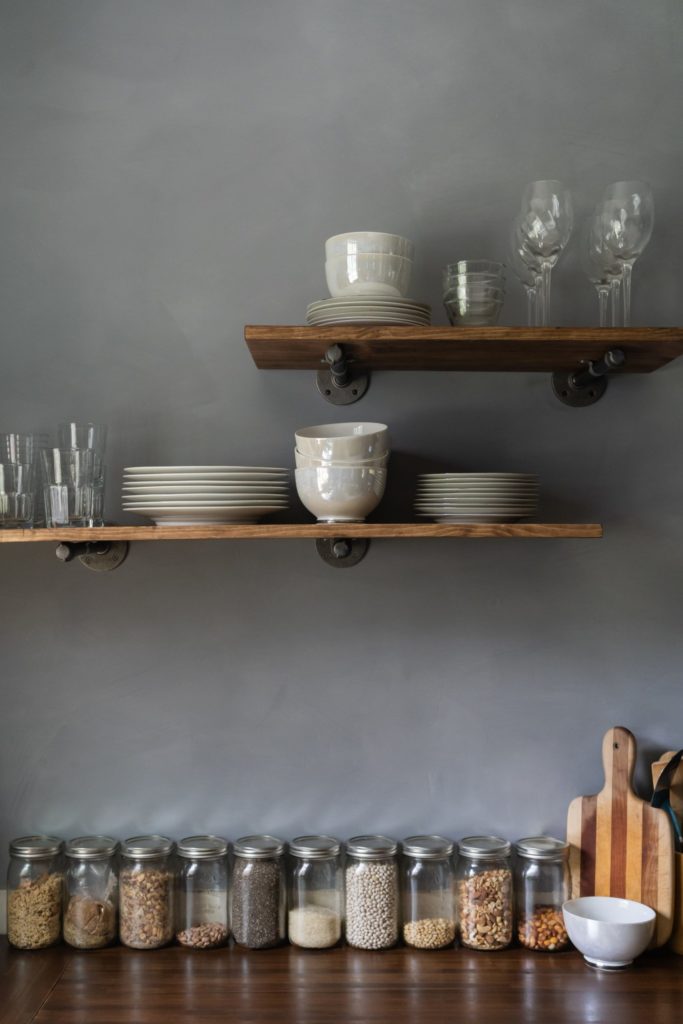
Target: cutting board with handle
676,801
619,844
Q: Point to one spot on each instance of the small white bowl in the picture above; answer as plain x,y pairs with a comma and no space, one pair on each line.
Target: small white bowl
368,273
307,462
610,932
340,494
368,241
348,442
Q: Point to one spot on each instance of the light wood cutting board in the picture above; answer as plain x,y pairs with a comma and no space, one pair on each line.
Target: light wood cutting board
619,844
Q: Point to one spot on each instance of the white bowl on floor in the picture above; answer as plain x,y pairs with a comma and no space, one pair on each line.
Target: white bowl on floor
610,932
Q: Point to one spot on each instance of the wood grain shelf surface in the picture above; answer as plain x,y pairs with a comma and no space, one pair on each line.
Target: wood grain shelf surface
294,986
527,349
294,531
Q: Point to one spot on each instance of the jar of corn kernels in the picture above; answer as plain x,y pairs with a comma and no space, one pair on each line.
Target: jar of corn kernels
542,885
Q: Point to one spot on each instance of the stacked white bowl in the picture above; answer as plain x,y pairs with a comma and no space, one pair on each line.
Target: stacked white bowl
368,263
341,469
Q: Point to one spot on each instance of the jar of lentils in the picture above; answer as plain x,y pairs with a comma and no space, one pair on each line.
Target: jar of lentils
542,884
428,892
259,894
371,878
202,921
484,884
147,884
91,894
316,892
35,882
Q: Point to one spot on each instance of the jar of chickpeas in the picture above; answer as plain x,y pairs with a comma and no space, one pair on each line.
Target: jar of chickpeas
542,884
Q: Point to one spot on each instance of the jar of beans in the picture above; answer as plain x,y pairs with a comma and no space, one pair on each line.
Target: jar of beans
371,878
259,895
202,920
35,880
316,892
147,883
542,884
428,892
91,896
484,885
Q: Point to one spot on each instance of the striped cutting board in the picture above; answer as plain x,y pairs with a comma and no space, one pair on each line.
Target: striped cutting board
620,845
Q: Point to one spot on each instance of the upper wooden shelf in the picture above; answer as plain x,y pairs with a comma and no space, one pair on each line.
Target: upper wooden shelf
292,531
525,349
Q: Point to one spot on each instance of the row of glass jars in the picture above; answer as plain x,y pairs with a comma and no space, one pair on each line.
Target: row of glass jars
366,893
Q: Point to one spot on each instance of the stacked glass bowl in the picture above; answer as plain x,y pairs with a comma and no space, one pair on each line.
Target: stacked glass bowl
473,292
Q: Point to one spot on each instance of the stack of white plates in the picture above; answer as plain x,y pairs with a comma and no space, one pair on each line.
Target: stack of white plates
368,309
477,497
204,495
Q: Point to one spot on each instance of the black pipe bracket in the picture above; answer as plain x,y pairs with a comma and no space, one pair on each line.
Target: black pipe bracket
587,385
338,383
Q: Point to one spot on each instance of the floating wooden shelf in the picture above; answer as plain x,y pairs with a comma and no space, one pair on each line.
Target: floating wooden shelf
312,531
523,349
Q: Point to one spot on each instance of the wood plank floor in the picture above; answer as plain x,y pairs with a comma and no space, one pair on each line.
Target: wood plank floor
175,986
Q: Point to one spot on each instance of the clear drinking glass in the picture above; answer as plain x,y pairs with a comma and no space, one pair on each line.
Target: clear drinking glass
16,495
626,219
17,448
544,227
83,435
71,478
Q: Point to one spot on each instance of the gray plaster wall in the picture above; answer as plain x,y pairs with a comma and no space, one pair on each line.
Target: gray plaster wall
169,172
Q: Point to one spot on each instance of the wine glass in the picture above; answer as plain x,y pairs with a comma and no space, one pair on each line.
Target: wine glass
545,225
528,274
626,218
601,268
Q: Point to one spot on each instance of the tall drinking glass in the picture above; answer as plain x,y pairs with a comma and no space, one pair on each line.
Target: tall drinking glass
16,495
70,478
83,435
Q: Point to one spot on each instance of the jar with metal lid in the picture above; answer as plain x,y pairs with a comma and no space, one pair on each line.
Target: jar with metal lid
202,892
371,879
542,884
484,884
316,892
90,892
35,882
428,892
259,893
147,884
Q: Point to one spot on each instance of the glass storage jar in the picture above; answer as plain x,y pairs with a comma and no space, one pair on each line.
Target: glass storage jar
542,884
484,883
315,892
428,892
35,882
259,894
146,890
371,879
202,892
90,892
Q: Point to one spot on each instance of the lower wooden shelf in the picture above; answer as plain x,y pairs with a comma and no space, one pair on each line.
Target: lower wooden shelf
294,531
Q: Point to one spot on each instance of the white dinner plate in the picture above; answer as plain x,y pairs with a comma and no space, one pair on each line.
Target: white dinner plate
209,518
207,478
163,470
265,488
399,321
158,505
472,518
477,489
477,477
367,302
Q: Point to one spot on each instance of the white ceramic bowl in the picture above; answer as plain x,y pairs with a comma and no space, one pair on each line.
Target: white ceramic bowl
307,462
340,494
610,932
348,442
368,241
368,273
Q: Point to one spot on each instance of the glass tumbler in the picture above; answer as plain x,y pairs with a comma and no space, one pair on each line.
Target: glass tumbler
16,495
202,921
92,436
17,448
316,892
71,478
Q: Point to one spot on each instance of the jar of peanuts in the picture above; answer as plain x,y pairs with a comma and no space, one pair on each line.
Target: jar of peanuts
484,886
146,891
542,884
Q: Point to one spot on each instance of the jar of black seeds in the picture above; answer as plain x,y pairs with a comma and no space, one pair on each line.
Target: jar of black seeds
259,895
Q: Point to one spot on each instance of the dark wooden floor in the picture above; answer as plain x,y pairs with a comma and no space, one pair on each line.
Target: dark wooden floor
119,986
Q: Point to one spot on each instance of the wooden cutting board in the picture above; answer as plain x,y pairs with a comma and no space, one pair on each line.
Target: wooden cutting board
619,844
676,789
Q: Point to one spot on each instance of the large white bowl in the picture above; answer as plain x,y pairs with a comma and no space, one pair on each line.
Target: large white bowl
308,462
340,494
368,241
349,442
368,273
610,932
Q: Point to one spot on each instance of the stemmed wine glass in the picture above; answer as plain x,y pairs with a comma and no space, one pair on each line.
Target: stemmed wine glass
543,228
602,270
625,219
529,276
